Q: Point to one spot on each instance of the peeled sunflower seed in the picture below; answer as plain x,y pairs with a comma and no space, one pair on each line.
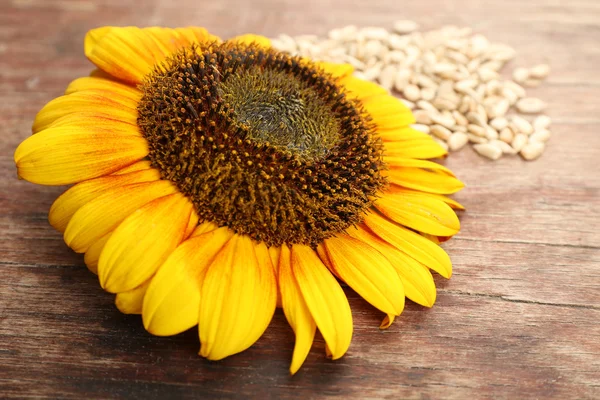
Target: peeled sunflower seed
426,82
499,123
520,74
443,120
532,83
532,150
515,87
505,147
428,93
465,84
476,119
425,105
476,130
487,74
519,141
441,132
373,71
491,133
539,71
397,42
374,33
401,79
521,125
542,122
444,67
509,95
501,52
421,127
488,150
465,105
498,109
496,65
506,135
476,139
422,117
412,92
457,141
531,105
442,103
405,26
460,119
346,33
541,135
387,76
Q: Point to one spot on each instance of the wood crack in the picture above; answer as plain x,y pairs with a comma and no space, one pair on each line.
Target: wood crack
523,301
527,242
41,265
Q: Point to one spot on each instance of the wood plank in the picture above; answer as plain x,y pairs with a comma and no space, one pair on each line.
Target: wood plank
518,319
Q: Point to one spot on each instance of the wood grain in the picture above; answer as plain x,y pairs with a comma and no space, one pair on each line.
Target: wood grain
519,319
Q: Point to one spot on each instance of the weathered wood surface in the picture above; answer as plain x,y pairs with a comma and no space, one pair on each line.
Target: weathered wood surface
519,319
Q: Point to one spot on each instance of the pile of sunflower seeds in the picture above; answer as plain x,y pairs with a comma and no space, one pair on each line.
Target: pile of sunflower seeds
451,80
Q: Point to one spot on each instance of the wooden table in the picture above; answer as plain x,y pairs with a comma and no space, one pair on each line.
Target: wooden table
519,319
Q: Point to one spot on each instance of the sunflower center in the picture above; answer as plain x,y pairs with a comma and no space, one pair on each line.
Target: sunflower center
281,110
263,143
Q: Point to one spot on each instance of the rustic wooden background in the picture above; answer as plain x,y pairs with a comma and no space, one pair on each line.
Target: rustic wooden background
519,319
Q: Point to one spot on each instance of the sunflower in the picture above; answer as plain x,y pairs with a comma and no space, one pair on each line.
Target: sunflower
214,181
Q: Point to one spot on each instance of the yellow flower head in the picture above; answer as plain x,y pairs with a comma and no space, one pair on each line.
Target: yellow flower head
214,181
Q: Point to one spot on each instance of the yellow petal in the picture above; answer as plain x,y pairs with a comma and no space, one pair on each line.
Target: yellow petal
451,202
401,134
93,254
98,73
172,302
130,302
411,243
434,239
103,214
264,257
416,279
250,39
367,271
129,53
274,253
399,162
171,40
324,298
104,85
74,198
424,180
361,89
142,242
324,256
337,71
126,53
415,148
388,111
64,155
296,311
237,300
91,122
137,166
387,321
192,224
203,228
102,103
420,213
